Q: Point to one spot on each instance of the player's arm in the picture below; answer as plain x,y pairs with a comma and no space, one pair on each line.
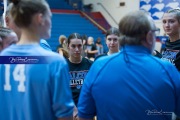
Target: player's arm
62,102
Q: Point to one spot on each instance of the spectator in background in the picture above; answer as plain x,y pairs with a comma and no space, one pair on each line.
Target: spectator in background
84,37
78,66
112,41
26,95
171,26
10,24
63,41
141,86
62,52
8,37
91,49
99,46
62,47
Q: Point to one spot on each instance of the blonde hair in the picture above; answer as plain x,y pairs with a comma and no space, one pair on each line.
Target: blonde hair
63,41
62,38
65,53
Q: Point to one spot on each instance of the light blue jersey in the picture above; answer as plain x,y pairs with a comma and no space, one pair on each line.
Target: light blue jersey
45,45
34,91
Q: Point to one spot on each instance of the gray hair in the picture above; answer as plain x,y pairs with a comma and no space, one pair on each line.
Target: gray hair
134,28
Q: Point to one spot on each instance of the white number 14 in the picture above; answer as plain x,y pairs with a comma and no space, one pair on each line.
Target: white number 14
18,75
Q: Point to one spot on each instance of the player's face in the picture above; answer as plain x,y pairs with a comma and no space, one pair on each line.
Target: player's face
112,43
171,25
75,48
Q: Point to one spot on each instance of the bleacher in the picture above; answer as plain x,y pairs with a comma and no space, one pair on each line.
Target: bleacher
67,23
59,4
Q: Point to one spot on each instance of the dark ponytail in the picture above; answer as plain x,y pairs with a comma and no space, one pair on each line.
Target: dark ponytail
114,31
23,10
74,36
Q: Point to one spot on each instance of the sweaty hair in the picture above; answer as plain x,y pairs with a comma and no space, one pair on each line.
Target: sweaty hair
114,31
134,28
176,12
23,10
74,36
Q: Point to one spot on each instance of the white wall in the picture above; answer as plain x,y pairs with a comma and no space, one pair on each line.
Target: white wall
117,11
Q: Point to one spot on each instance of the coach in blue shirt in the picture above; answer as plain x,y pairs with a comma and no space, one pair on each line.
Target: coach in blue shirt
131,85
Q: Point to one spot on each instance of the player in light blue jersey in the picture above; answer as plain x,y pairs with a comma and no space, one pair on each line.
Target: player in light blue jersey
45,45
10,24
33,91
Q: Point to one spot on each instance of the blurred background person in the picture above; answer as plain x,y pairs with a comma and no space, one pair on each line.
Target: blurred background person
63,41
8,37
84,37
112,42
62,52
99,46
91,49
62,47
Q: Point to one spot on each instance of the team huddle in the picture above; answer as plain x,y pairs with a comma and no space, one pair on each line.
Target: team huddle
126,83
